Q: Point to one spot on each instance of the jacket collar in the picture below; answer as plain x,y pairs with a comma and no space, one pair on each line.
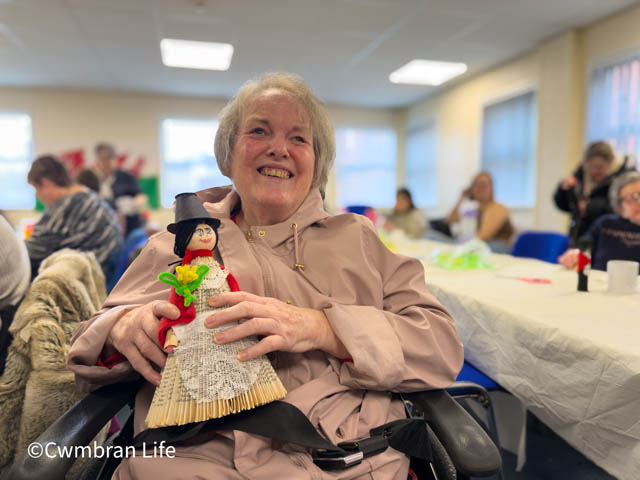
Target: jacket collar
224,202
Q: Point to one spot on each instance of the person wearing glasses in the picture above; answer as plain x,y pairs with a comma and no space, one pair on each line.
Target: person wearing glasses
615,236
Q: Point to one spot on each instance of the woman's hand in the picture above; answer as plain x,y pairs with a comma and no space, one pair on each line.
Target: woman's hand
135,335
568,182
569,258
389,225
284,327
582,207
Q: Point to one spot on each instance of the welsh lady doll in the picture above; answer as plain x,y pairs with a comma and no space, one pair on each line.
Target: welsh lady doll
202,380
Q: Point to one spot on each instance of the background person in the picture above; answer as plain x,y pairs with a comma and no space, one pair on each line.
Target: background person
405,216
15,276
585,193
120,188
340,333
74,217
615,236
89,179
492,222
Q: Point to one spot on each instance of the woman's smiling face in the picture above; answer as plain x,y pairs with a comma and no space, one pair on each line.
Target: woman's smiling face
204,238
273,158
630,202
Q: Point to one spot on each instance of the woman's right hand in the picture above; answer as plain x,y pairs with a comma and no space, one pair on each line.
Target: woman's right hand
135,336
568,182
569,258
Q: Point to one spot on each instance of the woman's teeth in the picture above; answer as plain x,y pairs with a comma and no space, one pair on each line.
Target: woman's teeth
274,172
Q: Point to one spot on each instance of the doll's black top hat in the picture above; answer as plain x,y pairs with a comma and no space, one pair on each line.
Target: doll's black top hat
188,207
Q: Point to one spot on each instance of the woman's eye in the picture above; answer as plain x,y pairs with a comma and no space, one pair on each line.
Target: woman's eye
258,130
298,138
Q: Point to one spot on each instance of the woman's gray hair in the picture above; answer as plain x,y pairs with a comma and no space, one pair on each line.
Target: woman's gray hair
618,184
324,145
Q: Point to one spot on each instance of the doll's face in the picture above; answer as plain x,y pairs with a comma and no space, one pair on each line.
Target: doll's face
204,237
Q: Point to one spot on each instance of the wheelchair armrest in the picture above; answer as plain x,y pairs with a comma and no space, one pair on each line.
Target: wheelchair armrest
77,426
471,450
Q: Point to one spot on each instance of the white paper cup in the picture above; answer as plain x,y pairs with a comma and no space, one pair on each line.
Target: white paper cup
623,276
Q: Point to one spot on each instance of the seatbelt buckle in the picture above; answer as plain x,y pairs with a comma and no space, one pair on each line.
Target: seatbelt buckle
327,460
368,446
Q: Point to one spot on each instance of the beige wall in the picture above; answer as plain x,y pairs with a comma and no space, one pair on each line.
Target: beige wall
66,119
457,115
612,38
557,69
553,73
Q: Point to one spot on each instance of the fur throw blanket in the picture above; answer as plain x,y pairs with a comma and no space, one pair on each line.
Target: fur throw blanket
36,387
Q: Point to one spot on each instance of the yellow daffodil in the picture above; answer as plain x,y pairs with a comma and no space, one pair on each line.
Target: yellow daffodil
186,274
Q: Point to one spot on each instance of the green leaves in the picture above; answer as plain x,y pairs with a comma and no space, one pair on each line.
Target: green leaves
185,290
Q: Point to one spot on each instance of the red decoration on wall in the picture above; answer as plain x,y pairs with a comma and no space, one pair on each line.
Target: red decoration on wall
74,160
121,159
137,167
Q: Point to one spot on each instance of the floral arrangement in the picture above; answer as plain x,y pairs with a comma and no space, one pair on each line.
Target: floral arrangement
186,281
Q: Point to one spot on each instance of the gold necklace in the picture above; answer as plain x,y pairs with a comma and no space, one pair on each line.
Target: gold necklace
244,227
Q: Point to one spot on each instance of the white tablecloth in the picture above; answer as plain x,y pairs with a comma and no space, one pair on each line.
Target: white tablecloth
572,357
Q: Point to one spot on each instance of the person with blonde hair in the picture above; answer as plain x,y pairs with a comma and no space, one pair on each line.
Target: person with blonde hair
493,224
343,319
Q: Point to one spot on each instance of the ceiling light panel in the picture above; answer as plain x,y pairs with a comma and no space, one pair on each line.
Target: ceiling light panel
200,55
427,72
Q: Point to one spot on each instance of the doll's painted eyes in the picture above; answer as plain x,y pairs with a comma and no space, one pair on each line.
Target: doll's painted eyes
204,231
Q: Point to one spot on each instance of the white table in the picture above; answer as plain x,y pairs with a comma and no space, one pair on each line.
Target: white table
573,358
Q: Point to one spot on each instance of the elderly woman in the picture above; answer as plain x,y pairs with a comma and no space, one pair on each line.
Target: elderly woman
615,236
493,224
343,319
585,193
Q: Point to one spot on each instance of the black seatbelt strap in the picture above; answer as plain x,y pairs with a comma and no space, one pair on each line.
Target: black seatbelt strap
286,423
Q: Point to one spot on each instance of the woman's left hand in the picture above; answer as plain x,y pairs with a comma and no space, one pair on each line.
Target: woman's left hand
284,327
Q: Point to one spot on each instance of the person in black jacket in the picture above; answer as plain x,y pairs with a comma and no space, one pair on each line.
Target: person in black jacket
585,193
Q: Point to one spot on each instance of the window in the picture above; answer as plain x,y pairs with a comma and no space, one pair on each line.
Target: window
421,176
613,112
509,149
365,167
16,150
188,162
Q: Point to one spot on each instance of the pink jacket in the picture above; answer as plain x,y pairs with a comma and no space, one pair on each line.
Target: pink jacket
399,338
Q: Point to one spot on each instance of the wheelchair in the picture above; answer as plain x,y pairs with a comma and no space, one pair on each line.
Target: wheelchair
461,449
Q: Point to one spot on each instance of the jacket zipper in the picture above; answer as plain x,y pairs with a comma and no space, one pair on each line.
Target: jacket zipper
267,278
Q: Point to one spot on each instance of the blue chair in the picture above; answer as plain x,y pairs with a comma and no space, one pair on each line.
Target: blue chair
359,209
120,258
365,210
547,246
